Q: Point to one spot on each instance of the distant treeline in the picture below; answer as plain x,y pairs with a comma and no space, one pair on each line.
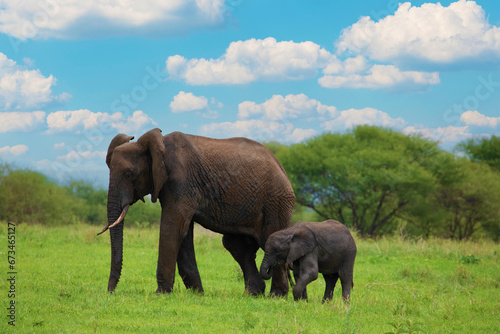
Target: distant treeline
378,181
30,197
374,180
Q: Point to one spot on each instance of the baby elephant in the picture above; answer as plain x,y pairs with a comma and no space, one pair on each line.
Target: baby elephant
326,247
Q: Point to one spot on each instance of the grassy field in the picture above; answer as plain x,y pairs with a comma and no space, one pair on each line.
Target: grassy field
401,286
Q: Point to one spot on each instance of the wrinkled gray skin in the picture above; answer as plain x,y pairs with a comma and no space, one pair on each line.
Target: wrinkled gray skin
326,247
232,186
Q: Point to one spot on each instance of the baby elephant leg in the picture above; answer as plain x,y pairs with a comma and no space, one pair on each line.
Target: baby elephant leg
346,278
308,272
296,276
330,281
346,288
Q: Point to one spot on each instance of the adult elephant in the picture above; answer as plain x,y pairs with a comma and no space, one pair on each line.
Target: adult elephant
232,186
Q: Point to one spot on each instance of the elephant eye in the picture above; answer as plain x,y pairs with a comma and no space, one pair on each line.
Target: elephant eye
130,174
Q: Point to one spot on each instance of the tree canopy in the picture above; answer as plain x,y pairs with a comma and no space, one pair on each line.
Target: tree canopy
372,179
485,150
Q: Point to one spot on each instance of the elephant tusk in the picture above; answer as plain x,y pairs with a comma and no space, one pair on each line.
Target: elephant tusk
124,212
103,230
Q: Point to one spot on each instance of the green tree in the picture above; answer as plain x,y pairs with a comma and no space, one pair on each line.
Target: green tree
27,196
93,204
471,203
485,150
364,178
426,213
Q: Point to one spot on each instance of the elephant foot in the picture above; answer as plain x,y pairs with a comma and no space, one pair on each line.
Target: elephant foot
299,294
256,290
278,293
113,281
255,293
299,299
162,290
199,291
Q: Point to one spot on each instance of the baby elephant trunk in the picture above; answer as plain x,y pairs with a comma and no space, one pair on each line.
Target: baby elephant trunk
266,268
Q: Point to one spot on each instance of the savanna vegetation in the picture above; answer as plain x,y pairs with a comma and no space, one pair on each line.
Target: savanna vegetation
401,285
426,223
371,179
30,197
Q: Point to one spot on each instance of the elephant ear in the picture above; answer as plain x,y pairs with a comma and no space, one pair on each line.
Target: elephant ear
153,142
115,142
302,243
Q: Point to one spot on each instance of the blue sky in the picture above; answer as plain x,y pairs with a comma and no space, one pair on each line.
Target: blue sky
74,74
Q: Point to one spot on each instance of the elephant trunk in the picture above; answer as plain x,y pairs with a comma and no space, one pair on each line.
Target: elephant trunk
266,268
116,235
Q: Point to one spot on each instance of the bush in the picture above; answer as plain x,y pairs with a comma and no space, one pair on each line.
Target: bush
30,197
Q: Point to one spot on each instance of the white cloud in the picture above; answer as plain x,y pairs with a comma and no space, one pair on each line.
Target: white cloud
279,107
106,18
71,120
350,65
87,155
368,116
20,121
188,102
299,135
83,119
257,129
431,32
75,168
271,120
133,123
476,118
252,60
59,145
14,150
380,76
22,88
285,119
269,60
444,135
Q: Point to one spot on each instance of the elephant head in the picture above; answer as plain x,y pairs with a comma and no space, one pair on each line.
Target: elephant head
136,169
286,246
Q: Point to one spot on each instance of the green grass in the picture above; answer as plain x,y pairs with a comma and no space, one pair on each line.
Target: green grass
401,286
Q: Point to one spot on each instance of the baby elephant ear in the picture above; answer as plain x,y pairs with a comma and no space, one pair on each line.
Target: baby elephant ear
115,142
302,243
153,142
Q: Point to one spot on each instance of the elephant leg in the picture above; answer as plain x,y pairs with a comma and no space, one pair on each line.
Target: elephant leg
277,218
186,262
346,276
244,249
279,283
296,276
308,272
172,232
330,281
347,283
